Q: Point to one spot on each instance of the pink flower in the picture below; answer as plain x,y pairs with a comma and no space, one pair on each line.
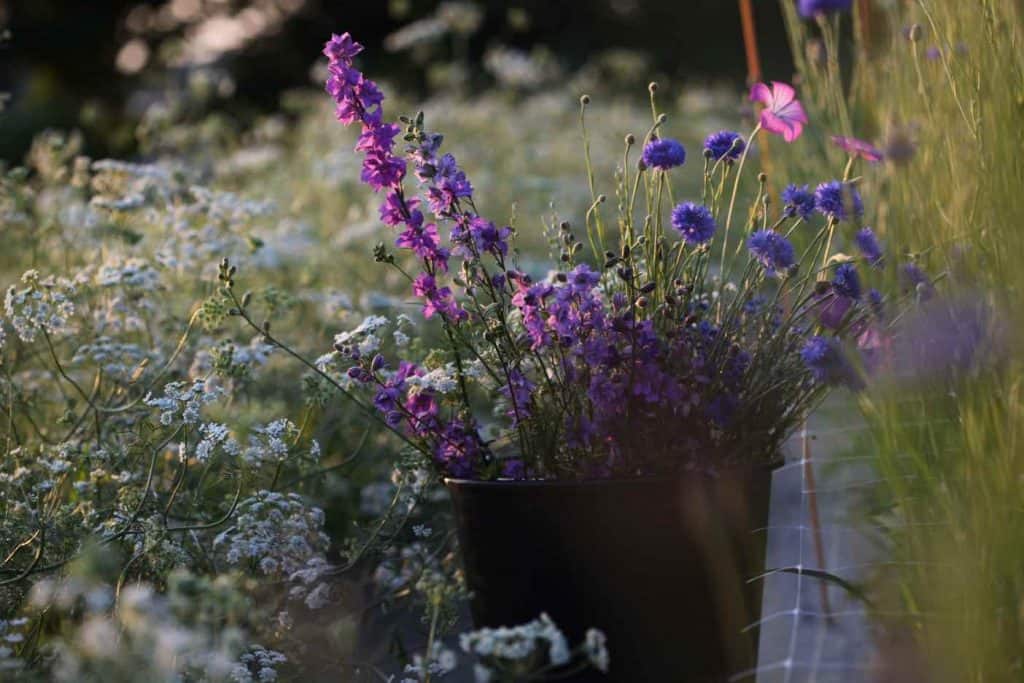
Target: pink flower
857,148
782,114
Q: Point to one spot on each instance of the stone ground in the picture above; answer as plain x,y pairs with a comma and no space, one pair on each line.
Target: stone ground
801,638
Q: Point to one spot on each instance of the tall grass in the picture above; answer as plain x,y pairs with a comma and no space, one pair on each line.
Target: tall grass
947,438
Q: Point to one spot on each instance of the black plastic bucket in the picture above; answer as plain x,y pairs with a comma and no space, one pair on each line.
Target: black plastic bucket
662,566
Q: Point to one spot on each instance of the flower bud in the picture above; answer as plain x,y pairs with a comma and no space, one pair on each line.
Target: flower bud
630,139
584,100
653,86
915,33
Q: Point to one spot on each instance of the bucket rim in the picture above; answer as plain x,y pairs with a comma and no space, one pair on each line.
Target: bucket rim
520,484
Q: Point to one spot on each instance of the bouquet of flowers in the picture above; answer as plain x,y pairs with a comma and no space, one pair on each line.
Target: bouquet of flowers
684,334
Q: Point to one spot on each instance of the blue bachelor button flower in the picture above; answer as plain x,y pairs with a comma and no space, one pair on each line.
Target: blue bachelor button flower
847,281
824,359
773,251
834,200
664,153
725,144
798,201
694,222
810,8
869,246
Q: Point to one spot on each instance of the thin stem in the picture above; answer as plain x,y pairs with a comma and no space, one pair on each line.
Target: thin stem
732,199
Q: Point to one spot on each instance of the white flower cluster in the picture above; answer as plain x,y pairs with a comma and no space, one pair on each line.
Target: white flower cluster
183,401
215,435
10,634
269,443
595,646
363,338
514,652
518,643
229,207
122,186
440,661
140,640
130,272
117,359
41,304
282,537
257,665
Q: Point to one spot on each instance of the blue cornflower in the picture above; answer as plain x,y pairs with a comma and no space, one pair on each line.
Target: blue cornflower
916,280
824,359
664,153
877,302
798,201
694,222
725,144
847,281
868,244
772,250
832,199
722,408
809,8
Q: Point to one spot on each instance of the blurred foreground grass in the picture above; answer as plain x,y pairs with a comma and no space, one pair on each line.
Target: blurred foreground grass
940,83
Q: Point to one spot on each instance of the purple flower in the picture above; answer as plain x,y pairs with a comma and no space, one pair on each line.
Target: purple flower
447,184
358,98
831,307
664,153
846,281
877,302
811,8
721,409
459,449
478,235
857,148
835,200
583,279
946,338
725,144
342,48
694,222
424,241
773,251
869,246
798,201
381,170
529,299
900,145
825,360
519,392
437,299
916,280
387,396
377,138
393,211
782,114
513,468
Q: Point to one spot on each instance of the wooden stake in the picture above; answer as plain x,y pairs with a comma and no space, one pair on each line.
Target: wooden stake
750,42
812,504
